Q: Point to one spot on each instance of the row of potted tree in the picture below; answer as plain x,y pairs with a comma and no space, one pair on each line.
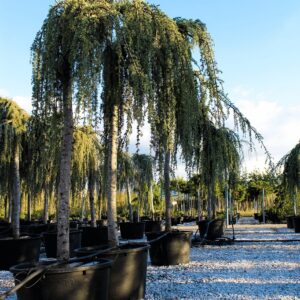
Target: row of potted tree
108,64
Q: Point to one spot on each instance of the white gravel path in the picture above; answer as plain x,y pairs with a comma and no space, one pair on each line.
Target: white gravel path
244,270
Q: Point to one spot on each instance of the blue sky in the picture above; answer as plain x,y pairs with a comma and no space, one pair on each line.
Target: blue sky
257,46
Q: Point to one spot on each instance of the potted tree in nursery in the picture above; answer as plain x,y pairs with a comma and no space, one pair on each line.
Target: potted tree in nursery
291,183
13,125
65,60
86,168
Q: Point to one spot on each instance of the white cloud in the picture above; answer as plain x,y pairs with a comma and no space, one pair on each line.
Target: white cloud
277,121
24,102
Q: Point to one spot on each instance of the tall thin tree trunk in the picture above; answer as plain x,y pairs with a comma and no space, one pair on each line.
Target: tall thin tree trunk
227,205
99,200
167,190
199,207
151,201
16,198
128,190
112,178
6,209
82,205
295,201
29,206
46,204
10,201
92,199
209,203
63,227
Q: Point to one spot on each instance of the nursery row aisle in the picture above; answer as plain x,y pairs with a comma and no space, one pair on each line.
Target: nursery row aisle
264,263
244,270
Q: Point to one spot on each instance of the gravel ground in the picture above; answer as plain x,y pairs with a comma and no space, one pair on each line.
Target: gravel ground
244,270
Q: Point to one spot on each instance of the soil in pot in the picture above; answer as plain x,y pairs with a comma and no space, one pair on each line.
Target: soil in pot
172,249
88,281
296,223
128,273
16,251
92,236
50,241
133,230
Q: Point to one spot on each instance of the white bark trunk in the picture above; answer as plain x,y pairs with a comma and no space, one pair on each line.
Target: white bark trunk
82,205
199,205
92,200
128,190
151,201
46,204
16,197
112,178
29,206
167,191
63,227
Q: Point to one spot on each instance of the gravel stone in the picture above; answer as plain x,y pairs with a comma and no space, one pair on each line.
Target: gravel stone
243,270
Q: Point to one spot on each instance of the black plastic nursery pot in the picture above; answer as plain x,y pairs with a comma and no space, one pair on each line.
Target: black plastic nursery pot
133,230
92,236
172,249
129,268
50,241
153,226
211,229
296,223
38,228
290,222
16,251
80,281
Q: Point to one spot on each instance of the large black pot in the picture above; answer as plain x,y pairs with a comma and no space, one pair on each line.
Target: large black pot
16,251
153,226
296,223
50,241
290,222
128,273
92,236
89,281
38,228
130,230
211,229
172,249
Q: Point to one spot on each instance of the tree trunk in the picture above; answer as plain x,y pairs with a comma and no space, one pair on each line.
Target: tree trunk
6,209
199,205
227,205
99,200
92,199
46,204
10,201
112,177
128,190
209,203
63,227
167,190
29,206
82,205
151,201
16,198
